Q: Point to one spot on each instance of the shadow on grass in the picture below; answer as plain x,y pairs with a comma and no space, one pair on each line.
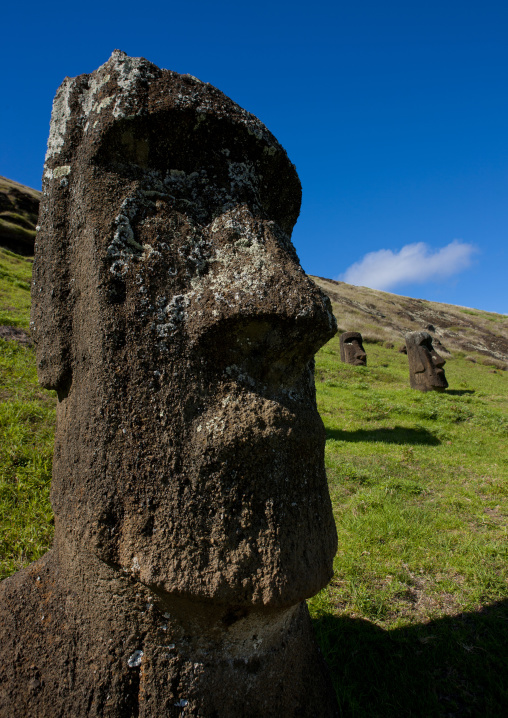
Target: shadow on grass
397,435
454,667
459,392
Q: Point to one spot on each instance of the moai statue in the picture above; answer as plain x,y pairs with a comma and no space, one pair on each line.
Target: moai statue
426,371
351,349
172,317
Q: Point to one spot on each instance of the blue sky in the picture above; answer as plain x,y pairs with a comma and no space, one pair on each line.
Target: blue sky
394,113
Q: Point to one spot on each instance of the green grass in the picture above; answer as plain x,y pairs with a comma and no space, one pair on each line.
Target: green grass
415,620
27,416
15,278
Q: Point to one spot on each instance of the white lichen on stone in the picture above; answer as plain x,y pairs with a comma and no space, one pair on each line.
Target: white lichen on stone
233,279
61,171
169,316
215,426
87,98
99,106
60,115
148,251
124,244
134,661
129,72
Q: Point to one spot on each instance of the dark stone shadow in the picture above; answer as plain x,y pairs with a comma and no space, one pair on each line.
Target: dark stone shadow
453,667
459,392
397,435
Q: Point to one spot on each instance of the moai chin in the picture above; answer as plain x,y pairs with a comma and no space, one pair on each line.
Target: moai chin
172,317
426,371
351,349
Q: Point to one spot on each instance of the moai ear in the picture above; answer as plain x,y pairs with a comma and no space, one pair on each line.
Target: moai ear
418,365
51,286
78,120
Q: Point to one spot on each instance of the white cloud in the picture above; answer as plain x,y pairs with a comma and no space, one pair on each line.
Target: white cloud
416,263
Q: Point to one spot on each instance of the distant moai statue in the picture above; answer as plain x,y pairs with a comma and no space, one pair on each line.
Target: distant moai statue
426,371
351,349
172,317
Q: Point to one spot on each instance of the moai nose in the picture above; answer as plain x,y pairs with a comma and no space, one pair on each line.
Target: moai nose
256,303
438,360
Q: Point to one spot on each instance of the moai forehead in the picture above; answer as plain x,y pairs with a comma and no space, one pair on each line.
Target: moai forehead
351,349
426,371
171,314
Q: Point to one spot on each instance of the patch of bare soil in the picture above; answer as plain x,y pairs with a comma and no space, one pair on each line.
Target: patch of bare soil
15,334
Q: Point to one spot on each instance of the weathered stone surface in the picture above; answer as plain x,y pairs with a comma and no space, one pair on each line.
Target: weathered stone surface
426,371
170,313
351,349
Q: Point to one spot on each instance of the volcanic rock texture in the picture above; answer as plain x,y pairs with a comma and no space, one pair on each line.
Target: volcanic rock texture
171,315
426,371
351,349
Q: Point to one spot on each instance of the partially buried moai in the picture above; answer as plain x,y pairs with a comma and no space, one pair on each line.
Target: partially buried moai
351,349
426,371
192,515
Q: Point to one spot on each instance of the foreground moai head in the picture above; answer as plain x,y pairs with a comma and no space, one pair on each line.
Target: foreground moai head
178,328
426,371
351,349
171,315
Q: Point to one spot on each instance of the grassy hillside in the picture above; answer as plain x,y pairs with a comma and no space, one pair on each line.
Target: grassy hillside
15,278
19,207
415,620
381,316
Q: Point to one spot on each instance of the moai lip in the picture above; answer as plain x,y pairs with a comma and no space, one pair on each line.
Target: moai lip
426,371
172,317
351,349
